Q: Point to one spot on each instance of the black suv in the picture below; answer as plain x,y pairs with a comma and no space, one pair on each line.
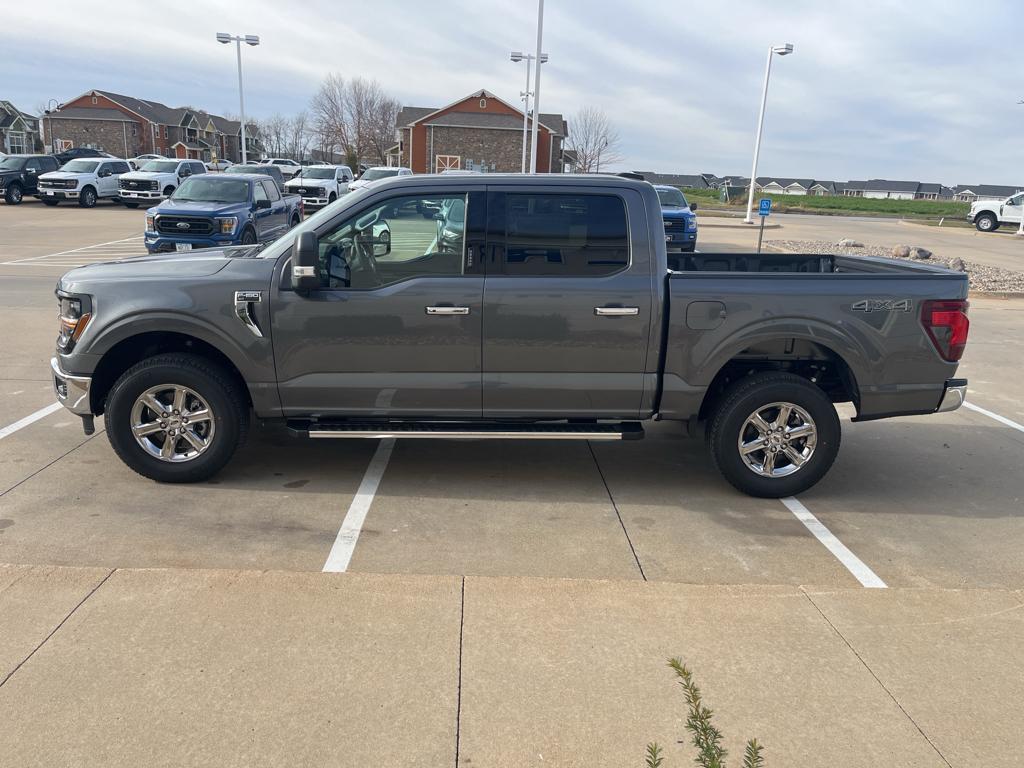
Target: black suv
19,173
76,152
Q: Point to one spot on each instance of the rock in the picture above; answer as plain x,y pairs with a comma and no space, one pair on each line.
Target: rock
921,254
849,242
958,265
901,251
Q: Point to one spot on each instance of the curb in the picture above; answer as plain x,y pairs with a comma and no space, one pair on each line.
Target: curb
751,227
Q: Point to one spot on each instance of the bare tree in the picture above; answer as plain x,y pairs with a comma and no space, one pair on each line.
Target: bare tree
355,118
593,139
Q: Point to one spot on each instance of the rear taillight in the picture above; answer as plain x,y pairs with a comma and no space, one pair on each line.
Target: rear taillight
946,324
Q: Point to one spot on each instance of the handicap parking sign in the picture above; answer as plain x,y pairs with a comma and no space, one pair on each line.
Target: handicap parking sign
764,208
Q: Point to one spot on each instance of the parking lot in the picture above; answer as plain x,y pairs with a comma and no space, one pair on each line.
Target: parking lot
942,506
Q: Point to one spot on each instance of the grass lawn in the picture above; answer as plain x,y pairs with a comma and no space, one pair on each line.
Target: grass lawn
837,206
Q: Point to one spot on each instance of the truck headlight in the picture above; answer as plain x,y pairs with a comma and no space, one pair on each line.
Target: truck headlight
226,224
75,314
691,225
150,222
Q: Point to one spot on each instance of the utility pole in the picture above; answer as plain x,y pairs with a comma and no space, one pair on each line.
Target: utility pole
536,88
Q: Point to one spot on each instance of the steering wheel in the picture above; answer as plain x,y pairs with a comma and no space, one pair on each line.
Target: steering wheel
362,252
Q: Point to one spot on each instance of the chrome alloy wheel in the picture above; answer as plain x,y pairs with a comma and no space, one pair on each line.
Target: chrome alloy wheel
172,423
777,439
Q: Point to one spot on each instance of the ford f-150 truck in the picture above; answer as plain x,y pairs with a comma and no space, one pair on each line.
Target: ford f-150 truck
556,317
989,215
156,180
212,210
680,222
320,185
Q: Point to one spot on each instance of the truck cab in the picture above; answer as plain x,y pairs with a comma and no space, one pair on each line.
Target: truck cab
989,215
211,210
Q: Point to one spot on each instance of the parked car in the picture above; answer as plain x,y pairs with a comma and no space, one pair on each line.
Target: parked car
680,223
267,170
219,165
78,152
989,215
451,225
214,210
137,162
288,167
587,333
19,175
157,179
376,174
85,180
321,185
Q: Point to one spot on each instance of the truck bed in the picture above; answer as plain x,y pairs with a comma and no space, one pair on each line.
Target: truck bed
799,263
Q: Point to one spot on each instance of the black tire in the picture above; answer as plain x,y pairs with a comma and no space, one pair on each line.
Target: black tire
762,390
332,198
986,222
129,205
295,221
50,203
14,194
211,382
248,236
168,190
87,198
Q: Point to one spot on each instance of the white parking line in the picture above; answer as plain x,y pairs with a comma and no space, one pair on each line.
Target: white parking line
348,534
854,564
125,246
1001,419
10,429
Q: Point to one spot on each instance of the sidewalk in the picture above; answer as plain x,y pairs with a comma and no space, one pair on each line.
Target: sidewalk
245,668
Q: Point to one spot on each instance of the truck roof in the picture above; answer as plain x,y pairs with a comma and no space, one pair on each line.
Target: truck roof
514,179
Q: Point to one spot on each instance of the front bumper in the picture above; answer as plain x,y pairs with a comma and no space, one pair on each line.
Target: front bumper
58,194
315,202
954,395
159,243
134,194
72,391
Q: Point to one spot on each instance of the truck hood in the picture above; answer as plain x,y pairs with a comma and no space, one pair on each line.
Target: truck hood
159,267
147,176
675,212
63,176
189,207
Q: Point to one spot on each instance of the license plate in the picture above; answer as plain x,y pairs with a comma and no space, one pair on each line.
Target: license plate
183,246
49,192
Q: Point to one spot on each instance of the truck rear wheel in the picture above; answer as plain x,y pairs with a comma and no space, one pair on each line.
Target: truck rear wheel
774,435
986,222
87,197
176,418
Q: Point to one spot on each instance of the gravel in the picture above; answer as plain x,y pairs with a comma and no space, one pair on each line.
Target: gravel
982,278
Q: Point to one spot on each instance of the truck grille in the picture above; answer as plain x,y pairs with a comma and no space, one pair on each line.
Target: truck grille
135,184
310,191
169,225
676,224
57,184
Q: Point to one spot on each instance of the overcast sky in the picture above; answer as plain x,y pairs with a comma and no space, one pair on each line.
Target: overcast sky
921,90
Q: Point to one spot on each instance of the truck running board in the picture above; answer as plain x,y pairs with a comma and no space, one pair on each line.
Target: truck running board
493,431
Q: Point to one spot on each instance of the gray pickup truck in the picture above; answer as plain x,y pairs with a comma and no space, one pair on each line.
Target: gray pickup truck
525,307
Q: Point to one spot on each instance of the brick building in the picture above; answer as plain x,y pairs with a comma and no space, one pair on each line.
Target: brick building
478,132
126,126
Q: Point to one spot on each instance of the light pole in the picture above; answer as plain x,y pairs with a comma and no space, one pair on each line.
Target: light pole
536,88
254,40
781,50
525,95
602,146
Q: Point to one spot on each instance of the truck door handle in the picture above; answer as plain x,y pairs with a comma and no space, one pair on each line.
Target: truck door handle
616,311
447,310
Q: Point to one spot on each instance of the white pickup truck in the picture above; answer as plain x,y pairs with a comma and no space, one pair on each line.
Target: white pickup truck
320,185
989,215
86,179
156,180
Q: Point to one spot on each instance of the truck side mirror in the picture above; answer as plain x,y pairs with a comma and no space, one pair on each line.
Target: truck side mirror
262,204
693,206
305,262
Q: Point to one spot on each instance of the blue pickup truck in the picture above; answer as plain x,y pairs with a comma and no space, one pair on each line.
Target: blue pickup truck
680,221
212,210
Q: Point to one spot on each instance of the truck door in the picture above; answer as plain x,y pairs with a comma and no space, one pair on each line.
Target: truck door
1012,209
395,328
568,303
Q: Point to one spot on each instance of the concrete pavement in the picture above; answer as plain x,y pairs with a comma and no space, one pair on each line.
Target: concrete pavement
243,668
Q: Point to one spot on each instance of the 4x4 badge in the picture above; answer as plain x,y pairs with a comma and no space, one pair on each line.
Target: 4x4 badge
882,305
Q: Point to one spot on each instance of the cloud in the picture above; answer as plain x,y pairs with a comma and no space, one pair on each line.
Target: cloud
874,89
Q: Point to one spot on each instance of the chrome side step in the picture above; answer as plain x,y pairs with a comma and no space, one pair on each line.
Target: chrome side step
451,430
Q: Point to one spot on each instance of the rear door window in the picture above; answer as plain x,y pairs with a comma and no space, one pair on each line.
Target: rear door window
272,192
564,235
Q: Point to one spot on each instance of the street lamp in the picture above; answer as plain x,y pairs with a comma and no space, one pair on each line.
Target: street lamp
518,56
780,50
253,40
536,88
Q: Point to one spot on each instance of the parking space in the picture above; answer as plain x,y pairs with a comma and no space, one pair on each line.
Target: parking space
927,501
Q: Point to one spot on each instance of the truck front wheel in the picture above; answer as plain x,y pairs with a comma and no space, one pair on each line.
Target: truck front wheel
87,198
986,222
774,435
249,236
176,418
13,195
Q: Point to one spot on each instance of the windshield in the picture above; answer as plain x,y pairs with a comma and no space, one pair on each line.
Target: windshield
379,173
672,197
80,166
317,173
216,190
160,166
12,163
